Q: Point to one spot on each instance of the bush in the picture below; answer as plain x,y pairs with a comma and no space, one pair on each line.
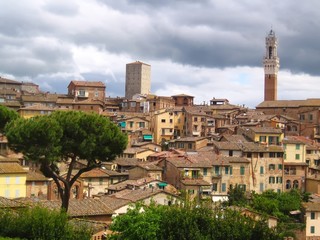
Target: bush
40,223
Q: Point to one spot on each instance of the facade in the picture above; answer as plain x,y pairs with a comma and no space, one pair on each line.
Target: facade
183,100
312,220
87,90
189,143
12,180
271,67
37,185
138,79
162,125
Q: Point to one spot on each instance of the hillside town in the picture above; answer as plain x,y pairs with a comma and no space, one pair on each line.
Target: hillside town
174,146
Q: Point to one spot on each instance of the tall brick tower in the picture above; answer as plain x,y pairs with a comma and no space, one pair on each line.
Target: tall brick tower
271,67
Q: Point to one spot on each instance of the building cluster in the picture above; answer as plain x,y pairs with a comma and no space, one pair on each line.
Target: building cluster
175,146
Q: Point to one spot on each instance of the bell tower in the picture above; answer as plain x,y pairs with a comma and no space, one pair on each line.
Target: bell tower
271,67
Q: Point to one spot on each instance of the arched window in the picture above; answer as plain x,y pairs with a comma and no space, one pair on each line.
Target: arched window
288,184
295,184
270,52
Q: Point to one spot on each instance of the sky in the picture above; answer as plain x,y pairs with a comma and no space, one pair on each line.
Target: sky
204,48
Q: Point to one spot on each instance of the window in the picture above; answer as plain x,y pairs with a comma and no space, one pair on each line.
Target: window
302,117
261,170
310,117
279,180
131,124
313,215
223,187
190,145
7,193
263,138
297,146
195,119
288,184
132,104
261,187
230,153
141,125
280,166
226,170
271,180
191,191
272,154
17,180
249,155
242,187
295,184
261,155
171,120
163,120
205,172
216,170
100,181
215,187
312,229
285,156
272,167
7,180
297,156
230,170
242,170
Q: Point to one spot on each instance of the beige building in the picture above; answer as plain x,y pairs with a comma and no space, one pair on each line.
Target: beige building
311,212
138,79
162,125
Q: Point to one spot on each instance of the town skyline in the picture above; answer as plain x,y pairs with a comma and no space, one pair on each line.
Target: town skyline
208,49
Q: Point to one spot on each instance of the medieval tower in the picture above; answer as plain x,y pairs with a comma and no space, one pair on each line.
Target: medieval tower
271,67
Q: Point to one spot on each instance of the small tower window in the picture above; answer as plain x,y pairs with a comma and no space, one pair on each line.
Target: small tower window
270,52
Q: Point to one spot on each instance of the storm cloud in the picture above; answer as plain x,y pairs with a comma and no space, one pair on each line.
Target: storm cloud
202,48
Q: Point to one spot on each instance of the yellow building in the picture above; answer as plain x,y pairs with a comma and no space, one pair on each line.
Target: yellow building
35,110
263,135
162,125
12,180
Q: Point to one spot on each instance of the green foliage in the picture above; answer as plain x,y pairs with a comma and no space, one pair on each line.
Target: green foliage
187,221
6,116
40,223
236,196
65,136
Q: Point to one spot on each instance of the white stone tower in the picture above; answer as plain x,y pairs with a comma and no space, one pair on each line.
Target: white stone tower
271,67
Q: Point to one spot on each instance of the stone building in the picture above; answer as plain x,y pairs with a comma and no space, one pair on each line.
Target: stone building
138,79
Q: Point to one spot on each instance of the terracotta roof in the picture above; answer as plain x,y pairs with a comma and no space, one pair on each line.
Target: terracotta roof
235,159
235,138
137,183
182,95
127,161
36,176
266,130
8,91
226,145
5,80
138,194
99,173
11,168
80,207
38,107
191,162
114,203
290,103
195,182
295,163
134,150
9,203
87,83
149,167
188,139
311,206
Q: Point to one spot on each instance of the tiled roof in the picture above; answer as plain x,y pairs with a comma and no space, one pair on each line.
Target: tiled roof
295,163
315,102
195,182
9,203
127,161
235,159
88,84
134,150
138,194
182,95
188,139
11,168
235,138
114,203
137,183
80,207
199,159
150,167
36,176
226,145
38,107
311,206
5,80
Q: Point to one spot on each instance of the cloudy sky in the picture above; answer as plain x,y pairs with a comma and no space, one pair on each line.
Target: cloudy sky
204,48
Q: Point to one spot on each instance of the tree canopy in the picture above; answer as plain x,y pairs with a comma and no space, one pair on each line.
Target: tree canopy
6,115
65,137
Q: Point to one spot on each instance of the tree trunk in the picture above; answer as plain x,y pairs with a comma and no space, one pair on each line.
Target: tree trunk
65,197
